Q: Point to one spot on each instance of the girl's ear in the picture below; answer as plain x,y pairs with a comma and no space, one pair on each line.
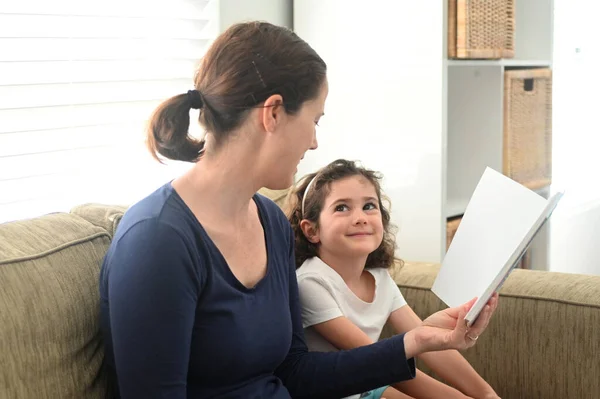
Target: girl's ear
310,231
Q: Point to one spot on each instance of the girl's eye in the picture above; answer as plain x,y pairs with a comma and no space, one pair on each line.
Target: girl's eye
341,208
369,206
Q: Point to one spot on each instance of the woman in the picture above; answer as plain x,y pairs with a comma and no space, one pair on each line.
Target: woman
199,296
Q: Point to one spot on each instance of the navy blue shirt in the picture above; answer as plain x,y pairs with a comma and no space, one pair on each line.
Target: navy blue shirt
178,324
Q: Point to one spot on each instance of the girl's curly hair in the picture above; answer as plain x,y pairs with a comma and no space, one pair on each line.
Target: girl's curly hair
319,189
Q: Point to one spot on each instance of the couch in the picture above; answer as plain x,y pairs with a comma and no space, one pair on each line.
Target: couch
544,341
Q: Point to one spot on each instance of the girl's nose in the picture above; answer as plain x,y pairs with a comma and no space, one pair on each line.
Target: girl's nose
360,218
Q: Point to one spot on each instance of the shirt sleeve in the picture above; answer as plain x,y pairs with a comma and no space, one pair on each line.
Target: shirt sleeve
398,300
153,289
317,301
338,374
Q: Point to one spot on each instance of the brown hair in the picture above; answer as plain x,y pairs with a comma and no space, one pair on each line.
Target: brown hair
320,187
243,67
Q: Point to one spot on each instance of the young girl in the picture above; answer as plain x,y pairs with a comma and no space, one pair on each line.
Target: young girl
344,246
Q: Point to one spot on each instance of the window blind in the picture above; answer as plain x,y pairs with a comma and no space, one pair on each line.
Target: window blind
78,83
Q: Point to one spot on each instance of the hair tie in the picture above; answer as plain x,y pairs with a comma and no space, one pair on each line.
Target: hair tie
306,193
195,99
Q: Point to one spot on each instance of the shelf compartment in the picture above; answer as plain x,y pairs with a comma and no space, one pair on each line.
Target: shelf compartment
474,139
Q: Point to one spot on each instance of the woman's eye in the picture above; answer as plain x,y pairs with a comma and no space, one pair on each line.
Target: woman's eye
370,206
341,208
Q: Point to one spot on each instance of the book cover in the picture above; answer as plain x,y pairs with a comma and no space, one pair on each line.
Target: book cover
497,227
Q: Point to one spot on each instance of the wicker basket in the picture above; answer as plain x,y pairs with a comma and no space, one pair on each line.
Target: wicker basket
525,262
528,127
481,29
451,227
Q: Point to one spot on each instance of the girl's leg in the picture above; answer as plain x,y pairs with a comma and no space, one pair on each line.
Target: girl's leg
393,393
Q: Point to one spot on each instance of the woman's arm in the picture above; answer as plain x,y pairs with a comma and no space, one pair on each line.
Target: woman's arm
336,374
450,364
152,295
339,374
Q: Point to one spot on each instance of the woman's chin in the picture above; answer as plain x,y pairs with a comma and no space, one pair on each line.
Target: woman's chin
281,184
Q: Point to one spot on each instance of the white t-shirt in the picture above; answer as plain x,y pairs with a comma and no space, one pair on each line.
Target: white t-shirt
324,296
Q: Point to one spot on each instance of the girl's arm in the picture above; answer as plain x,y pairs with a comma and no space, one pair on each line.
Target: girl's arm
450,364
343,334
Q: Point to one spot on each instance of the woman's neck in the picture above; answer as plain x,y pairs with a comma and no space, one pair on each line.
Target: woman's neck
219,187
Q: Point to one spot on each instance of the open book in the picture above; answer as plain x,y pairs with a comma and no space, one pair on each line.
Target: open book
496,229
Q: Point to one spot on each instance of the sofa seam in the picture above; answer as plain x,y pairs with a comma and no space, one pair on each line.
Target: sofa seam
112,218
56,249
100,226
535,297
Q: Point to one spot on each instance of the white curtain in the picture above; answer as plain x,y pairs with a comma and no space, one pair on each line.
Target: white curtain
78,82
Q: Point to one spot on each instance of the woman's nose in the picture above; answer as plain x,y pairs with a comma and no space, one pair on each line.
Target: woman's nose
314,143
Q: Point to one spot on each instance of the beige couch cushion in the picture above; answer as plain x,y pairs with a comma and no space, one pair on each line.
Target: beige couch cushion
49,331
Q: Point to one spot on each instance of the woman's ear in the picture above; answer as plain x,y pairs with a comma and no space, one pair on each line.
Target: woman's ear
310,231
272,112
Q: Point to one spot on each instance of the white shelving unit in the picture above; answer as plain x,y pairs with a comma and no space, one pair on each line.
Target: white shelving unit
534,28
503,62
474,107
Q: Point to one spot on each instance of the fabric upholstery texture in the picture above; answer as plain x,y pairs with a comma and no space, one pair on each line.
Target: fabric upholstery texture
49,336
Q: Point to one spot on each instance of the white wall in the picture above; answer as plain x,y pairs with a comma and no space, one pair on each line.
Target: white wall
278,12
576,223
385,104
575,240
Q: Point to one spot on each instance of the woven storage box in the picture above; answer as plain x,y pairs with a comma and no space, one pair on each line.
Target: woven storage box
481,29
525,262
451,227
528,127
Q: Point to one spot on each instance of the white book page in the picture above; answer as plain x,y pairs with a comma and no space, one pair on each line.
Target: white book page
498,217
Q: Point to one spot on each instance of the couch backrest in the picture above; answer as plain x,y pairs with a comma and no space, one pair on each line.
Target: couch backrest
49,332
543,341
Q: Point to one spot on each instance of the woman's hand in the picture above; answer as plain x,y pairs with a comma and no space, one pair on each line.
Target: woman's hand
447,329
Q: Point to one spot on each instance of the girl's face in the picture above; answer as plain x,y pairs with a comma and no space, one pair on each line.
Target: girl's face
350,223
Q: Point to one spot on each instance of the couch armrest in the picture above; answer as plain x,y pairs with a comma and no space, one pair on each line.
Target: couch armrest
543,340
